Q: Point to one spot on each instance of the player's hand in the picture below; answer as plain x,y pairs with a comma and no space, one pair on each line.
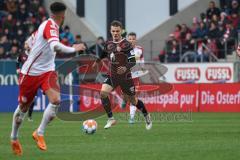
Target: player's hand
238,50
18,71
79,47
121,69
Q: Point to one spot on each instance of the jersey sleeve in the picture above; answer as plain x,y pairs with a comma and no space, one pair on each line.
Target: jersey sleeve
51,32
131,58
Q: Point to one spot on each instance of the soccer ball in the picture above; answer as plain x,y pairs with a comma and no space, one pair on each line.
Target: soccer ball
90,126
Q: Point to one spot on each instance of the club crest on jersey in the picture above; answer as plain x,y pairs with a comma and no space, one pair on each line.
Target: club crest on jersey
112,57
53,33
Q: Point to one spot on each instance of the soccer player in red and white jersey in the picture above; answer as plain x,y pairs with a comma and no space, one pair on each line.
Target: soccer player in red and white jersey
39,72
138,52
22,58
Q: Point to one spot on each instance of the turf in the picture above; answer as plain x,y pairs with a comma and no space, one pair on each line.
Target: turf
208,136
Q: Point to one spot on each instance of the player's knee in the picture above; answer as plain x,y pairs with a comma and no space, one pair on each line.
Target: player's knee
133,100
55,100
104,94
24,107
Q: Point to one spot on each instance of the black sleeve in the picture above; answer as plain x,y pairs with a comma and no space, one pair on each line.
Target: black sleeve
131,59
18,62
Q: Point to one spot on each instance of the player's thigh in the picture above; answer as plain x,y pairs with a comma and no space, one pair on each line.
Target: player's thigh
50,87
105,90
128,88
133,99
28,86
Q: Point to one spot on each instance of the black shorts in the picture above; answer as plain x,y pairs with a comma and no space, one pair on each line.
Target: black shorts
127,85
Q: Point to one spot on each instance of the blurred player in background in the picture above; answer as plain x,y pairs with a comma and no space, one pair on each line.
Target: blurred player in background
21,60
138,52
119,52
39,72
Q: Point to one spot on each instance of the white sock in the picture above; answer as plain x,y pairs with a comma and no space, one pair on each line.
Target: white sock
18,118
48,115
132,111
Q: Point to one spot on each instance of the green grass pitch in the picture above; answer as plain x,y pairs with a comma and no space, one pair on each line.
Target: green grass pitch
208,136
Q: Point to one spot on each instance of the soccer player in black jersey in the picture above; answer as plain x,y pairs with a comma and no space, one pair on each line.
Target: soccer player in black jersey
119,51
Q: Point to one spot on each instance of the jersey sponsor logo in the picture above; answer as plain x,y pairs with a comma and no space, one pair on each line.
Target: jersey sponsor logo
53,33
186,74
218,73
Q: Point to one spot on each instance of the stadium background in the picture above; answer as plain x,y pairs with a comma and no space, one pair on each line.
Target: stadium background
155,24
181,127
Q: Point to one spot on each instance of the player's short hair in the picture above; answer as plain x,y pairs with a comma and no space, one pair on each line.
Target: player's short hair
132,34
116,23
57,7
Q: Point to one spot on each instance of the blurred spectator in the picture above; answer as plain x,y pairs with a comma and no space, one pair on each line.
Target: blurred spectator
223,19
184,31
11,6
194,27
212,9
5,43
189,43
35,4
22,13
201,31
8,23
228,39
203,18
172,49
201,54
13,54
67,34
234,8
224,5
234,18
2,53
214,19
98,47
177,32
213,32
79,40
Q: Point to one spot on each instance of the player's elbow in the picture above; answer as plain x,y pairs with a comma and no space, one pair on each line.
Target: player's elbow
53,46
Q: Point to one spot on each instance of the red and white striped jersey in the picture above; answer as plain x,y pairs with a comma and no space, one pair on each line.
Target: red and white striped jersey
30,41
138,52
41,57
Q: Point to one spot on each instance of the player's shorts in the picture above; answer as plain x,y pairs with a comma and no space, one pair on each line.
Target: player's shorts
127,85
29,85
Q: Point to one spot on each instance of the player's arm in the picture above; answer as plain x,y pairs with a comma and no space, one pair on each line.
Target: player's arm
56,46
51,34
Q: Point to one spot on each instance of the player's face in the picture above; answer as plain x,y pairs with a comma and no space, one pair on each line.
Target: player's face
116,33
61,17
132,40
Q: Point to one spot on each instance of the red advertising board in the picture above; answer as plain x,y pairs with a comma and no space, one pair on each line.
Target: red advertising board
182,98
220,97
